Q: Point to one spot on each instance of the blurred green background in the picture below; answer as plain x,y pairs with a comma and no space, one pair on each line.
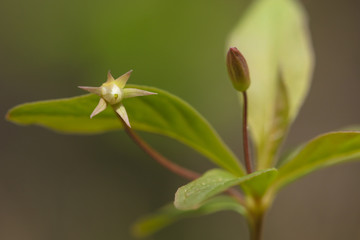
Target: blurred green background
94,187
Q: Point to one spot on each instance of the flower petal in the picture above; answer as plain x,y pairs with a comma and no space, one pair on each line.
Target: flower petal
134,92
95,90
122,113
99,108
109,77
121,81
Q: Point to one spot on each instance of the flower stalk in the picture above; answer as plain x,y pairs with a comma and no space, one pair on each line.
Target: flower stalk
239,75
166,163
246,146
178,170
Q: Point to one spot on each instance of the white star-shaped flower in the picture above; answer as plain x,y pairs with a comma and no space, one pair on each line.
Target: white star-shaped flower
112,92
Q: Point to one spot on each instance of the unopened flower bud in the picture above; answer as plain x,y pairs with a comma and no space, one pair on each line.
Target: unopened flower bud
238,69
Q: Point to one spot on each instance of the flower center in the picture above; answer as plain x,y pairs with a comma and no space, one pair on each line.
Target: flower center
112,93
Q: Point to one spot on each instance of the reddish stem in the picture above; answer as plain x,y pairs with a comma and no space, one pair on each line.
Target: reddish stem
186,173
245,135
181,171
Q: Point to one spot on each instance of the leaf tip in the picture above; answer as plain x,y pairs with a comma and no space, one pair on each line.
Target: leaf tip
7,116
136,231
177,204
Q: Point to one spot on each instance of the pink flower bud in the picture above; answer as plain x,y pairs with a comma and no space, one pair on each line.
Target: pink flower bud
238,69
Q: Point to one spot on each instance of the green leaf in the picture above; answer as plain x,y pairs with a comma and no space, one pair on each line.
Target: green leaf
169,214
163,114
278,126
274,38
213,182
323,151
257,185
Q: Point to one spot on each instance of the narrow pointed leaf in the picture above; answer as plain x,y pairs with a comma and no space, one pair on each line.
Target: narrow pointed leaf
99,108
133,92
163,114
169,215
273,36
323,151
213,182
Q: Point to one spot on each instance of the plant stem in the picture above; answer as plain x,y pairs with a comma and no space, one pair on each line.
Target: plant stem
186,173
256,227
245,135
237,195
181,171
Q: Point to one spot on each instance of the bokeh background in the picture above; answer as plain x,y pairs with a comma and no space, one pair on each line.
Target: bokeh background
64,187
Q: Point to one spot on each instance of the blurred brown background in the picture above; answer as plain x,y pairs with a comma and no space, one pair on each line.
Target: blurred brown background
62,187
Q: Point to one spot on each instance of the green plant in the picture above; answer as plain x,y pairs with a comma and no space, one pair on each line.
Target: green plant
281,65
